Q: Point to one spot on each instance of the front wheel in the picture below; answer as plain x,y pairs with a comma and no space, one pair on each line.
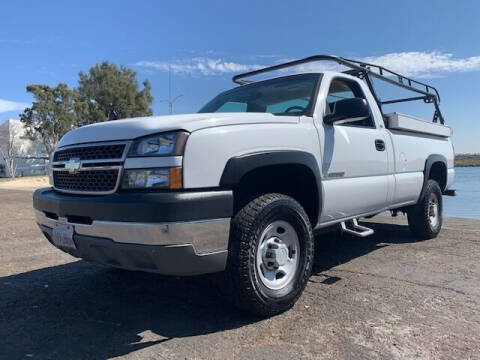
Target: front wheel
425,218
270,254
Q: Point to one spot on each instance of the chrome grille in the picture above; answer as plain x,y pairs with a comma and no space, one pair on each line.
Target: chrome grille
100,152
89,169
87,180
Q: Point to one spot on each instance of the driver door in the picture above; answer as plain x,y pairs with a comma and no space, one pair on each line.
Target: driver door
354,166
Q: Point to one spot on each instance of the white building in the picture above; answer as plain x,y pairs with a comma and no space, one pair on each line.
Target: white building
30,156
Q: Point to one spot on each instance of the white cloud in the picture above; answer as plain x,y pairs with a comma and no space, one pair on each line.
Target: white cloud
425,64
199,66
421,64
318,66
418,64
7,105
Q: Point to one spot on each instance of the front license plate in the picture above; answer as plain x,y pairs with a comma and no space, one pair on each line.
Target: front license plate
63,235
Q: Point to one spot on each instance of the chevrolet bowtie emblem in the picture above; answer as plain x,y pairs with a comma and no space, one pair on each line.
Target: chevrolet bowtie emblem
73,165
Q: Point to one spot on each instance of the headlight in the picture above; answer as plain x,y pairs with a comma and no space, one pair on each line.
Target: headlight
166,144
159,178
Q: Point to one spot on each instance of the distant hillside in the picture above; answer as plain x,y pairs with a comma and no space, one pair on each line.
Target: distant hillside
467,160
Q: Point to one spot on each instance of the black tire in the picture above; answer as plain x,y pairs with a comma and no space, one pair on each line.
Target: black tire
244,285
419,215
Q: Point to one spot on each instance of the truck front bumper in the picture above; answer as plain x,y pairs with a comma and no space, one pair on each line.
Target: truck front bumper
173,233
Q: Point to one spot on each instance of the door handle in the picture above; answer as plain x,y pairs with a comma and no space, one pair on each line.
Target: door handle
380,145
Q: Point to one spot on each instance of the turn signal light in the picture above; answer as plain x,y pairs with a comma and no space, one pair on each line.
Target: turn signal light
176,180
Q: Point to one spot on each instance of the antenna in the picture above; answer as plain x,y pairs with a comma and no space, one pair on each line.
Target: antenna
170,101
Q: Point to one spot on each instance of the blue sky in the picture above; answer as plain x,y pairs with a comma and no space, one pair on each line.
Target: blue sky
206,42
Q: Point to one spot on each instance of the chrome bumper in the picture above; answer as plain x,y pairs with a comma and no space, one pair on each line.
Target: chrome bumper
206,236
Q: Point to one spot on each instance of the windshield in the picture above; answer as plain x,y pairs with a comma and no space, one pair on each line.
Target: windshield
290,95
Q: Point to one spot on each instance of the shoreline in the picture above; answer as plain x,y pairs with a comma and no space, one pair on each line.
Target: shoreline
467,160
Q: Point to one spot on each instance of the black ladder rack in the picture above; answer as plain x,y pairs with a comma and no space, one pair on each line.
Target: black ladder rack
364,71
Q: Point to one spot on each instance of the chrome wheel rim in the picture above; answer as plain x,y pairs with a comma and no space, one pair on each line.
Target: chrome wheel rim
277,255
433,210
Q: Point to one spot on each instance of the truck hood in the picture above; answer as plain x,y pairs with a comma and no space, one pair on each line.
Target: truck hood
137,127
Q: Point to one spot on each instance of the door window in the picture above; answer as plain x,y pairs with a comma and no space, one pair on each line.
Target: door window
341,89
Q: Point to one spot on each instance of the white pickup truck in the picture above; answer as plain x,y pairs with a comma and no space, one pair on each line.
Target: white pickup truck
242,186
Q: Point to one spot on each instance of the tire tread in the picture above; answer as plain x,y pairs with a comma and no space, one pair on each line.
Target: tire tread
418,214
242,254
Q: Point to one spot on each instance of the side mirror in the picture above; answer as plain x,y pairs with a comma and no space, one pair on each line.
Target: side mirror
348,110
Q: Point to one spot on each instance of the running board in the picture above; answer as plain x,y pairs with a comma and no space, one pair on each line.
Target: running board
355,229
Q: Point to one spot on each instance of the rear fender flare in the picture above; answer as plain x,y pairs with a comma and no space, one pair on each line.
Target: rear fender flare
432,159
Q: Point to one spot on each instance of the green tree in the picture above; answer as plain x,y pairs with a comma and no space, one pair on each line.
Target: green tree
51,115
109,92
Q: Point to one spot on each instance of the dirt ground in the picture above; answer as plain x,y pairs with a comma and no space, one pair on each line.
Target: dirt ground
383,297
24,183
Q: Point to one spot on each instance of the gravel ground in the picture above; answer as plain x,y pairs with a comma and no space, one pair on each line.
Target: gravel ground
386,296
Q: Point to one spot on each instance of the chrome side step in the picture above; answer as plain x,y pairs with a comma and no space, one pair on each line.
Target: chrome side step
354,229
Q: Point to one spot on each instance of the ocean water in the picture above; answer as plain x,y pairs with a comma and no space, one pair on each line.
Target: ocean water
467,202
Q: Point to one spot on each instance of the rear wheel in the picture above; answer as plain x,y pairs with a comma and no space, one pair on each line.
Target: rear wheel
270,255
425,218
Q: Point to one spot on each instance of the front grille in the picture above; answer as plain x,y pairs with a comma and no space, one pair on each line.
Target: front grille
86,180
100,152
